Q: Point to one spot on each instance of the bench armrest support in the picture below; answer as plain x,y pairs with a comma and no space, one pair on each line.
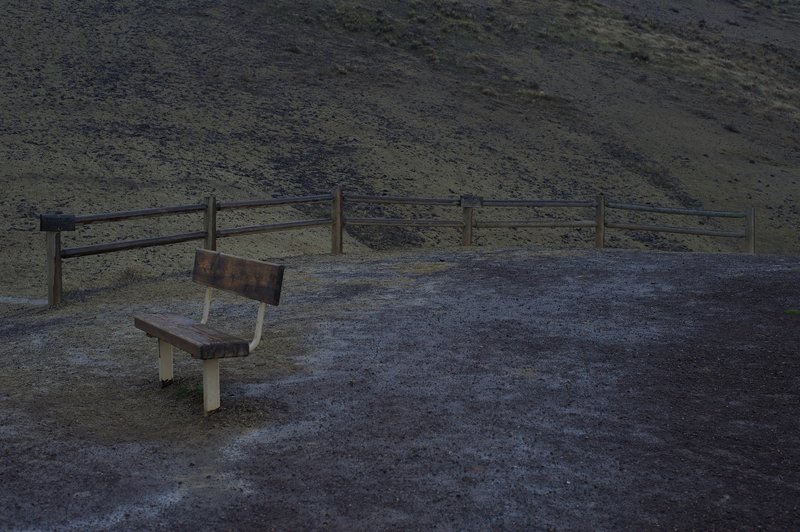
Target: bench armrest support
259,326
207,306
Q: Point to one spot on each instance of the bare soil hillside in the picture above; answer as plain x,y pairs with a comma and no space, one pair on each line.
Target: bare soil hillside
508,389
139,103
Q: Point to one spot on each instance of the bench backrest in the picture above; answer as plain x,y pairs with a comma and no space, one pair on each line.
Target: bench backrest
247,277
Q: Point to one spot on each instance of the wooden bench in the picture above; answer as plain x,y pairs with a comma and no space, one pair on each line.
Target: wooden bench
253,279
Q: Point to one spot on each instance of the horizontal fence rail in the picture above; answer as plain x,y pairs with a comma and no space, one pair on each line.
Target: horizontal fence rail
125,245
670,210
535,224
537,203
748,232
673,229
272,228
274,202
143,213
420,222
54,224
446,202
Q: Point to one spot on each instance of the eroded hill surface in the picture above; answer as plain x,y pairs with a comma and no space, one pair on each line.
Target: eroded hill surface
139,103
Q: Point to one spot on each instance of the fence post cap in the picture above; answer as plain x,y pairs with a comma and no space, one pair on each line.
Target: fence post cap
469,200
56,222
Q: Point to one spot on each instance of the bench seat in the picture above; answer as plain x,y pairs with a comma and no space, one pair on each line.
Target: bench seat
201,341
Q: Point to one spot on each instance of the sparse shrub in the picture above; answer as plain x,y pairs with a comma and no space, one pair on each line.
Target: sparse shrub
514,27
532,94
354,18
188,391
129,276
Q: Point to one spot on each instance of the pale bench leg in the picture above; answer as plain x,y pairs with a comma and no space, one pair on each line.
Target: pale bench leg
210,385
164,363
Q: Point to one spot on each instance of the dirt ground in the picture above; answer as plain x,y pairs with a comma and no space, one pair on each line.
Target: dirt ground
454,389
475,389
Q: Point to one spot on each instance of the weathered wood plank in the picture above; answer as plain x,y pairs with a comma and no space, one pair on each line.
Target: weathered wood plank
672,210
54,287
97,249
142,213
247,277
337,219
56,222
274,202
471,201
750,230
554,224
398,200
469,223
200,341
403,221
537,203
680,230
210,222
271,228
600,222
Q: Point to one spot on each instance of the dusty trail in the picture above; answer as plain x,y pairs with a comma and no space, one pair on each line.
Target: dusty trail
509,388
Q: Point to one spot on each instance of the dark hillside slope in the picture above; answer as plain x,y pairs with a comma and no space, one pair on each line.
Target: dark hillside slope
136,103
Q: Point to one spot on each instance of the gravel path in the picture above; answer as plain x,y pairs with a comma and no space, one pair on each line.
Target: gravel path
480,389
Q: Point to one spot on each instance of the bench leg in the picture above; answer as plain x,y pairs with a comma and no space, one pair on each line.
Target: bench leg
164,363
210,385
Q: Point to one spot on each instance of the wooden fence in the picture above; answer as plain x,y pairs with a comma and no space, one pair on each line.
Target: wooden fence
54,224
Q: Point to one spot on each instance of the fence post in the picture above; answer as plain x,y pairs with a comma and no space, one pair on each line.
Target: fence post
210,223
469,219
750,230
468,205
52,224
54,287
337,219
600,220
